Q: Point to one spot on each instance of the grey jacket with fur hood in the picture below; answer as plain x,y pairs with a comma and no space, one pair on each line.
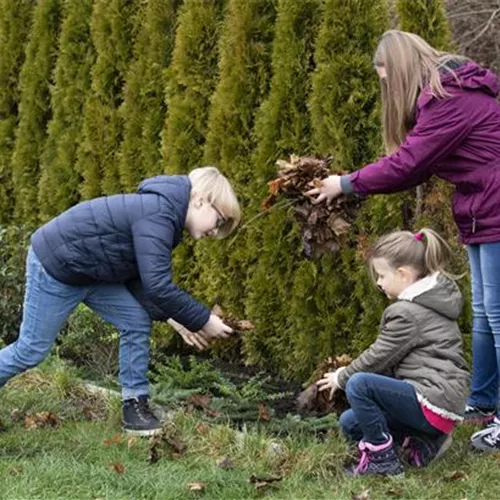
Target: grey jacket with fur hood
420,342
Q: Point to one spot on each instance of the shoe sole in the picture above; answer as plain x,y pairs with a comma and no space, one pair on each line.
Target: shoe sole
478,445
142,433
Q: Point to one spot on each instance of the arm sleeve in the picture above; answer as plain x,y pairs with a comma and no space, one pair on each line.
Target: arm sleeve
395,341
153,243
441,126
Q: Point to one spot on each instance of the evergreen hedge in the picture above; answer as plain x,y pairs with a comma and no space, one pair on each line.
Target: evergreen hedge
113,31
34,109
60,180
142,87
143,109
15,24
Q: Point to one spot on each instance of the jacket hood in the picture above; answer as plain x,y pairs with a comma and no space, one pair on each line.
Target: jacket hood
473,77
176,189
438,293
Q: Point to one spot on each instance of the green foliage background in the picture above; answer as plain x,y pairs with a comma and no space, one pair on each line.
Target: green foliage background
97,94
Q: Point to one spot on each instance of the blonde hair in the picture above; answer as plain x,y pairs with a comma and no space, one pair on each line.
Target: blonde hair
426,252
411,65
209,182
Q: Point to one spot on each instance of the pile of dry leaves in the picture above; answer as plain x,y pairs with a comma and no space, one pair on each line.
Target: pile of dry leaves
324,228
312,402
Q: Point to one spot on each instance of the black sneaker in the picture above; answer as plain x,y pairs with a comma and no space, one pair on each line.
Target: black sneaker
474,415
488,439
138,419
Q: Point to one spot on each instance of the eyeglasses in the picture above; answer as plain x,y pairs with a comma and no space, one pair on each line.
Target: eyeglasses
221,220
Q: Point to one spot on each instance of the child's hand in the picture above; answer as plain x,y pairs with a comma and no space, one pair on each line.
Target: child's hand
195,339
215,328
330,381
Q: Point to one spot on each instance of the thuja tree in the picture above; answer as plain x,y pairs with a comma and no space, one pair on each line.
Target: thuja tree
112,31
59,180
143,109
191,83
245,63
15,23
323,312
34,109
282,127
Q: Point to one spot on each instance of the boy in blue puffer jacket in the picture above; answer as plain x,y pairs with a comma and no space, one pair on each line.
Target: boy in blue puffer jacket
114,254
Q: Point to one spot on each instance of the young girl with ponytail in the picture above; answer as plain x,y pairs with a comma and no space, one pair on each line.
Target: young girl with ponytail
410,386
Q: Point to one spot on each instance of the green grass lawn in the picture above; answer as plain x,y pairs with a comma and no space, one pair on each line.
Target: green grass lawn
90,459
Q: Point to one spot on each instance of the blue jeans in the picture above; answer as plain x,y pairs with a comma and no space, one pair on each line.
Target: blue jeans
47,305
485,279
381,406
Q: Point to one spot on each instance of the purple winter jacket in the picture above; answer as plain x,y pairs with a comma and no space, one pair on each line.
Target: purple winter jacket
456,138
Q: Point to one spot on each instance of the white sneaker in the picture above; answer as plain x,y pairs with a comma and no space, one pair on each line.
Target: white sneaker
487,439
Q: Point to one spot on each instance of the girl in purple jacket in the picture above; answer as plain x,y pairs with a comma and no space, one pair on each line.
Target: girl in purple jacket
440,117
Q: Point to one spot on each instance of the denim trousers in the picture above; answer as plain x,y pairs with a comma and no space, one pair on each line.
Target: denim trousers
47,305
381,406
484,262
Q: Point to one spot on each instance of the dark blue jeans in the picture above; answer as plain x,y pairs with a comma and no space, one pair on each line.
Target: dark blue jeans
383,405
485,280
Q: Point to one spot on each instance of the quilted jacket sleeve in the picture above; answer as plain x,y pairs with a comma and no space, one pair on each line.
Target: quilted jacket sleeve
396,339
153,243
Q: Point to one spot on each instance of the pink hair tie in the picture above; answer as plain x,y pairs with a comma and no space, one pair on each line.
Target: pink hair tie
418,236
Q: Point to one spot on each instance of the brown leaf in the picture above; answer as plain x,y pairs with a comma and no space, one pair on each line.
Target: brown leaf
113,440
363,495
395,492
16,415
456,476
90,414
15,471
338,225
132,440
42,420
201,429
245,324
197,486
225,463
175,444
200,401
261,482
264,413
118,467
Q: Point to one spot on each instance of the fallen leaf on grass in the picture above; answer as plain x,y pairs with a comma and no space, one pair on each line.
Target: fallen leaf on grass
117,467
202,402
264,413
42,420
395,492
16,415
225,463
201,429
363,495
131,442
117,438
456,476
262,482
165,442
198,486
90,414
15,471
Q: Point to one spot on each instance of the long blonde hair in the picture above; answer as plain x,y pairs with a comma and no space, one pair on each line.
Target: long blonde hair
411,64
426,252
209,182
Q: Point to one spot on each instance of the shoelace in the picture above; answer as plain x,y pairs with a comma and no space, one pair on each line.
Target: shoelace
143,410
363,462
414,456
494,436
